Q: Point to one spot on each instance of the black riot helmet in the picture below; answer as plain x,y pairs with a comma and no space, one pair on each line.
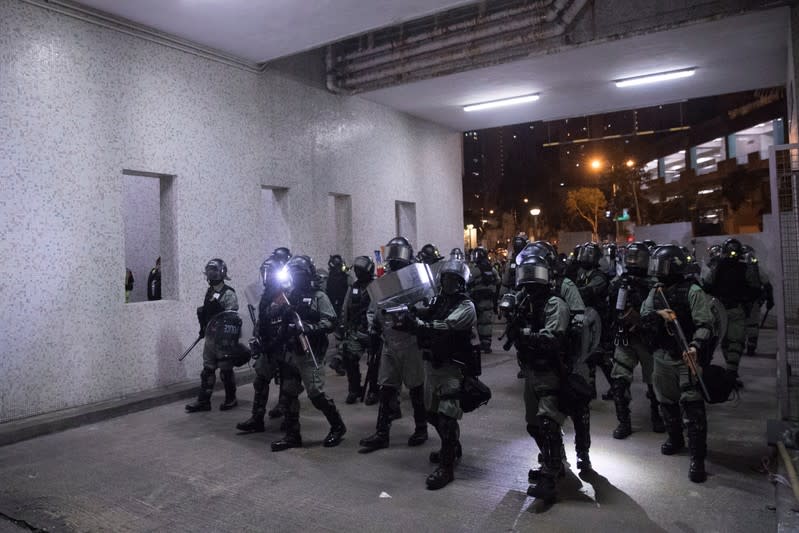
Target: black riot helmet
269,268
336,264
429,254
456,253
534,276
668,263
518,244
216,271
609,251
399,253
540,249
732,249
282,254
649,243
749,254
302,272
479,254
714,252
636,260
589,255
452,276
364,268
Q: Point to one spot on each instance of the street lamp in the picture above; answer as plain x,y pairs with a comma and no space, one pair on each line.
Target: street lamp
526,200
596,164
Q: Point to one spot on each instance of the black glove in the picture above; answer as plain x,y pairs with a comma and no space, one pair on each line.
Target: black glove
201,334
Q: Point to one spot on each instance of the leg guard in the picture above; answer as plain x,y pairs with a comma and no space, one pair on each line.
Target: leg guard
654,411
552,462
292,439
337,427
450,432
207,382
229,380
582,436
671,419
380,439
259,399
353,380
419,435
621,398
695,422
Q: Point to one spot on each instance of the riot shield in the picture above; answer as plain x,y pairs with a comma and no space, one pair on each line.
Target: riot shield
406,286
222,333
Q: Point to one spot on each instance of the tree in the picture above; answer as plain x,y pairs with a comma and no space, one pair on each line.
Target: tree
587,203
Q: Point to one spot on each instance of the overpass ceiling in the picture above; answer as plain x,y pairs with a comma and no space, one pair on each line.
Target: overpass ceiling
259,30
731,54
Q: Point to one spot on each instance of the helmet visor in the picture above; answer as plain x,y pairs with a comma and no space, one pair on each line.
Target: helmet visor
532,273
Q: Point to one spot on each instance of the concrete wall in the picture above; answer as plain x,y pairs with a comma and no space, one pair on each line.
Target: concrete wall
79,103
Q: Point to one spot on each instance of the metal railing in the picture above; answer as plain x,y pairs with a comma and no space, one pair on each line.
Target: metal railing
784,180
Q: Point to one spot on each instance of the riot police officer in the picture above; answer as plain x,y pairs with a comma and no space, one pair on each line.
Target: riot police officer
311,318
593,286
457,253
482,288
429,254
218,298
268,346
445,330
509,276
733,284
676,298
537,328
765,294
628,292
281,255
353,329
400,362
336,285
581,340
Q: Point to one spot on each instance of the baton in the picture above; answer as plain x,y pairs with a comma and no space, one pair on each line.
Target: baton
305,343
685,348
182,357
768,310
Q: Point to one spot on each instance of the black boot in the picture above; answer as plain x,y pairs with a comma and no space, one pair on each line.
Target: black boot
337,365
582,436
621,397
419,435
353,380
445,473
380,439
280,409
292,438
394,411
696,425
654,411
552,462
534,474
337,427
229,381
255,424
671,419
485,343
203,402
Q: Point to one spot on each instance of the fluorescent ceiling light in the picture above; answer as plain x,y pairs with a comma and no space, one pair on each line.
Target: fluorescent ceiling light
654,78
502,103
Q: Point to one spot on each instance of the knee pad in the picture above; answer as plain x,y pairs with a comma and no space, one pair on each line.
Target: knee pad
291,386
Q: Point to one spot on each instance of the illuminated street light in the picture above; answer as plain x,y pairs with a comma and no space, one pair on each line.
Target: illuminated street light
535,211
630,163
526,200
491,212
596,164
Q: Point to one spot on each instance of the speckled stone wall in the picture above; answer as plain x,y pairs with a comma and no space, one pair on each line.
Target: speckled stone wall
79,103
